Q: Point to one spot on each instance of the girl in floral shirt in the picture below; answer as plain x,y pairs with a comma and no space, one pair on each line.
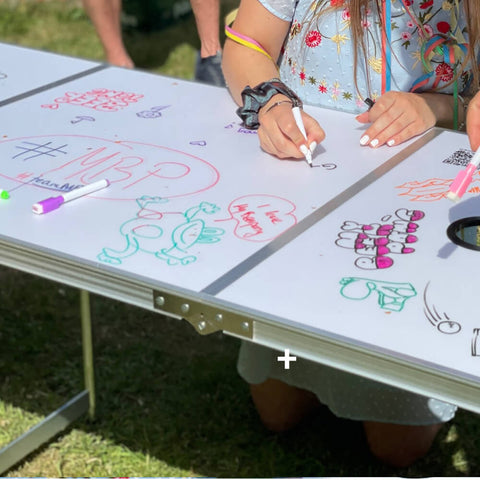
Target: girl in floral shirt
336,53
417,60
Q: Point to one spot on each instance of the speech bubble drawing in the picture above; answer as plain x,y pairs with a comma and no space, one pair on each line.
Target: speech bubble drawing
261,218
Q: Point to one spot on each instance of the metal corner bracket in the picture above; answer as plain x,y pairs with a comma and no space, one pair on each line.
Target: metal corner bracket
204,318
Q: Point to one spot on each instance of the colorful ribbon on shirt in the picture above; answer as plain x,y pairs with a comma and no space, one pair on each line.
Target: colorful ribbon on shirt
452,49
386,46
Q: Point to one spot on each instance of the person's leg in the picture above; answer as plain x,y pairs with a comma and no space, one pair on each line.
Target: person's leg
208,66
400,445
282,406
209,70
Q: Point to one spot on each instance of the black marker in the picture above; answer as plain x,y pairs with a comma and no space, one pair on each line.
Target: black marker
369,102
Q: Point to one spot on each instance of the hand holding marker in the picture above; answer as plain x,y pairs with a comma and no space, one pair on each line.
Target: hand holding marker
297,114
53,203
463,179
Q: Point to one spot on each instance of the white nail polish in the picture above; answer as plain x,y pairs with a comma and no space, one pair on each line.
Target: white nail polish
364,140
374,142
391,142
304,150
313,146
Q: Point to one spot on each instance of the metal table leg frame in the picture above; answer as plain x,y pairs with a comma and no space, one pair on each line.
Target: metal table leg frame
63,417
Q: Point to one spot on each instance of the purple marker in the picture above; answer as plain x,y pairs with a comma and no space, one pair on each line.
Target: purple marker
53,203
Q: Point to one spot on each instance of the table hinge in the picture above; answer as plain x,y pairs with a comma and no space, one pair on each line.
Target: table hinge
204,318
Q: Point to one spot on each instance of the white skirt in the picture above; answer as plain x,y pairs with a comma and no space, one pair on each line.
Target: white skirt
347,395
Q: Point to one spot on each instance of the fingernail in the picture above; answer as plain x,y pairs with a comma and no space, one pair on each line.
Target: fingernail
374,142
364,140
313,146
304,150
391,142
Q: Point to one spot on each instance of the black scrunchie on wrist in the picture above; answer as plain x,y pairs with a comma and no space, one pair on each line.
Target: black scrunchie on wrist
255,98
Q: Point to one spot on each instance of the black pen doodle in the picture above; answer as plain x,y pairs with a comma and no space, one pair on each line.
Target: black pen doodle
442,323
460,157
37,149
79,118
328,166
154,112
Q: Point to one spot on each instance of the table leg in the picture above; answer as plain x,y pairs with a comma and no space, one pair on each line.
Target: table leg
63,417
87,344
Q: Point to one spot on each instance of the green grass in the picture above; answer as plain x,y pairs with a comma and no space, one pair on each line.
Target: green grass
62,26
170,402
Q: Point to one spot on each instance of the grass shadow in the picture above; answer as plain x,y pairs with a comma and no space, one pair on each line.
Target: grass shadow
169,397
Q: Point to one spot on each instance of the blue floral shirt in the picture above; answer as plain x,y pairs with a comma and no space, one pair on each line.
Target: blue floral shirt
317,60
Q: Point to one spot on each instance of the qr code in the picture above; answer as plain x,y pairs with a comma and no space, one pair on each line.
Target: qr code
461,157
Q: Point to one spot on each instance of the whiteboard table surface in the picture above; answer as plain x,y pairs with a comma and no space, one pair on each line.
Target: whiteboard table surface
196,209
23,69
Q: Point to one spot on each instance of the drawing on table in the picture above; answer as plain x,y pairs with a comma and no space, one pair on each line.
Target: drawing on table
391,295
45,183
240,128
476,342
442,322
80,118
460,157
429,190
29,150
133,168
166,234
200,143
154,112
328,166
99,99
3,76
261,218
374,243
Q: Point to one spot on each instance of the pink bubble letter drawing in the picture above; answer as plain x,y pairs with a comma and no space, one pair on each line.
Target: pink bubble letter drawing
261,218
375,243
99,99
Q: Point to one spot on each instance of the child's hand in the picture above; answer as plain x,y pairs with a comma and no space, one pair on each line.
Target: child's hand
279,134
473,122
396,117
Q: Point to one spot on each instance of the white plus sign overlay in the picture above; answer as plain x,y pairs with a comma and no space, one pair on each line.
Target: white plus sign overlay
287,358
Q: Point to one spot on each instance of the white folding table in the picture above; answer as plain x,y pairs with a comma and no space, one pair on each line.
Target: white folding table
347,263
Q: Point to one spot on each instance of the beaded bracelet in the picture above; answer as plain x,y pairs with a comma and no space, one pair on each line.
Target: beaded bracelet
276,104
256,98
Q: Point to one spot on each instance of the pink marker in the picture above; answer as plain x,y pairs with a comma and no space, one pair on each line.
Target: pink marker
463,179
53,203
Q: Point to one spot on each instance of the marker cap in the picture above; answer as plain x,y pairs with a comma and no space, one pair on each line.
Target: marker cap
47,205
460,184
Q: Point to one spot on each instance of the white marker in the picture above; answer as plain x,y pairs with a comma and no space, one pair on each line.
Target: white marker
53,203
297,114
